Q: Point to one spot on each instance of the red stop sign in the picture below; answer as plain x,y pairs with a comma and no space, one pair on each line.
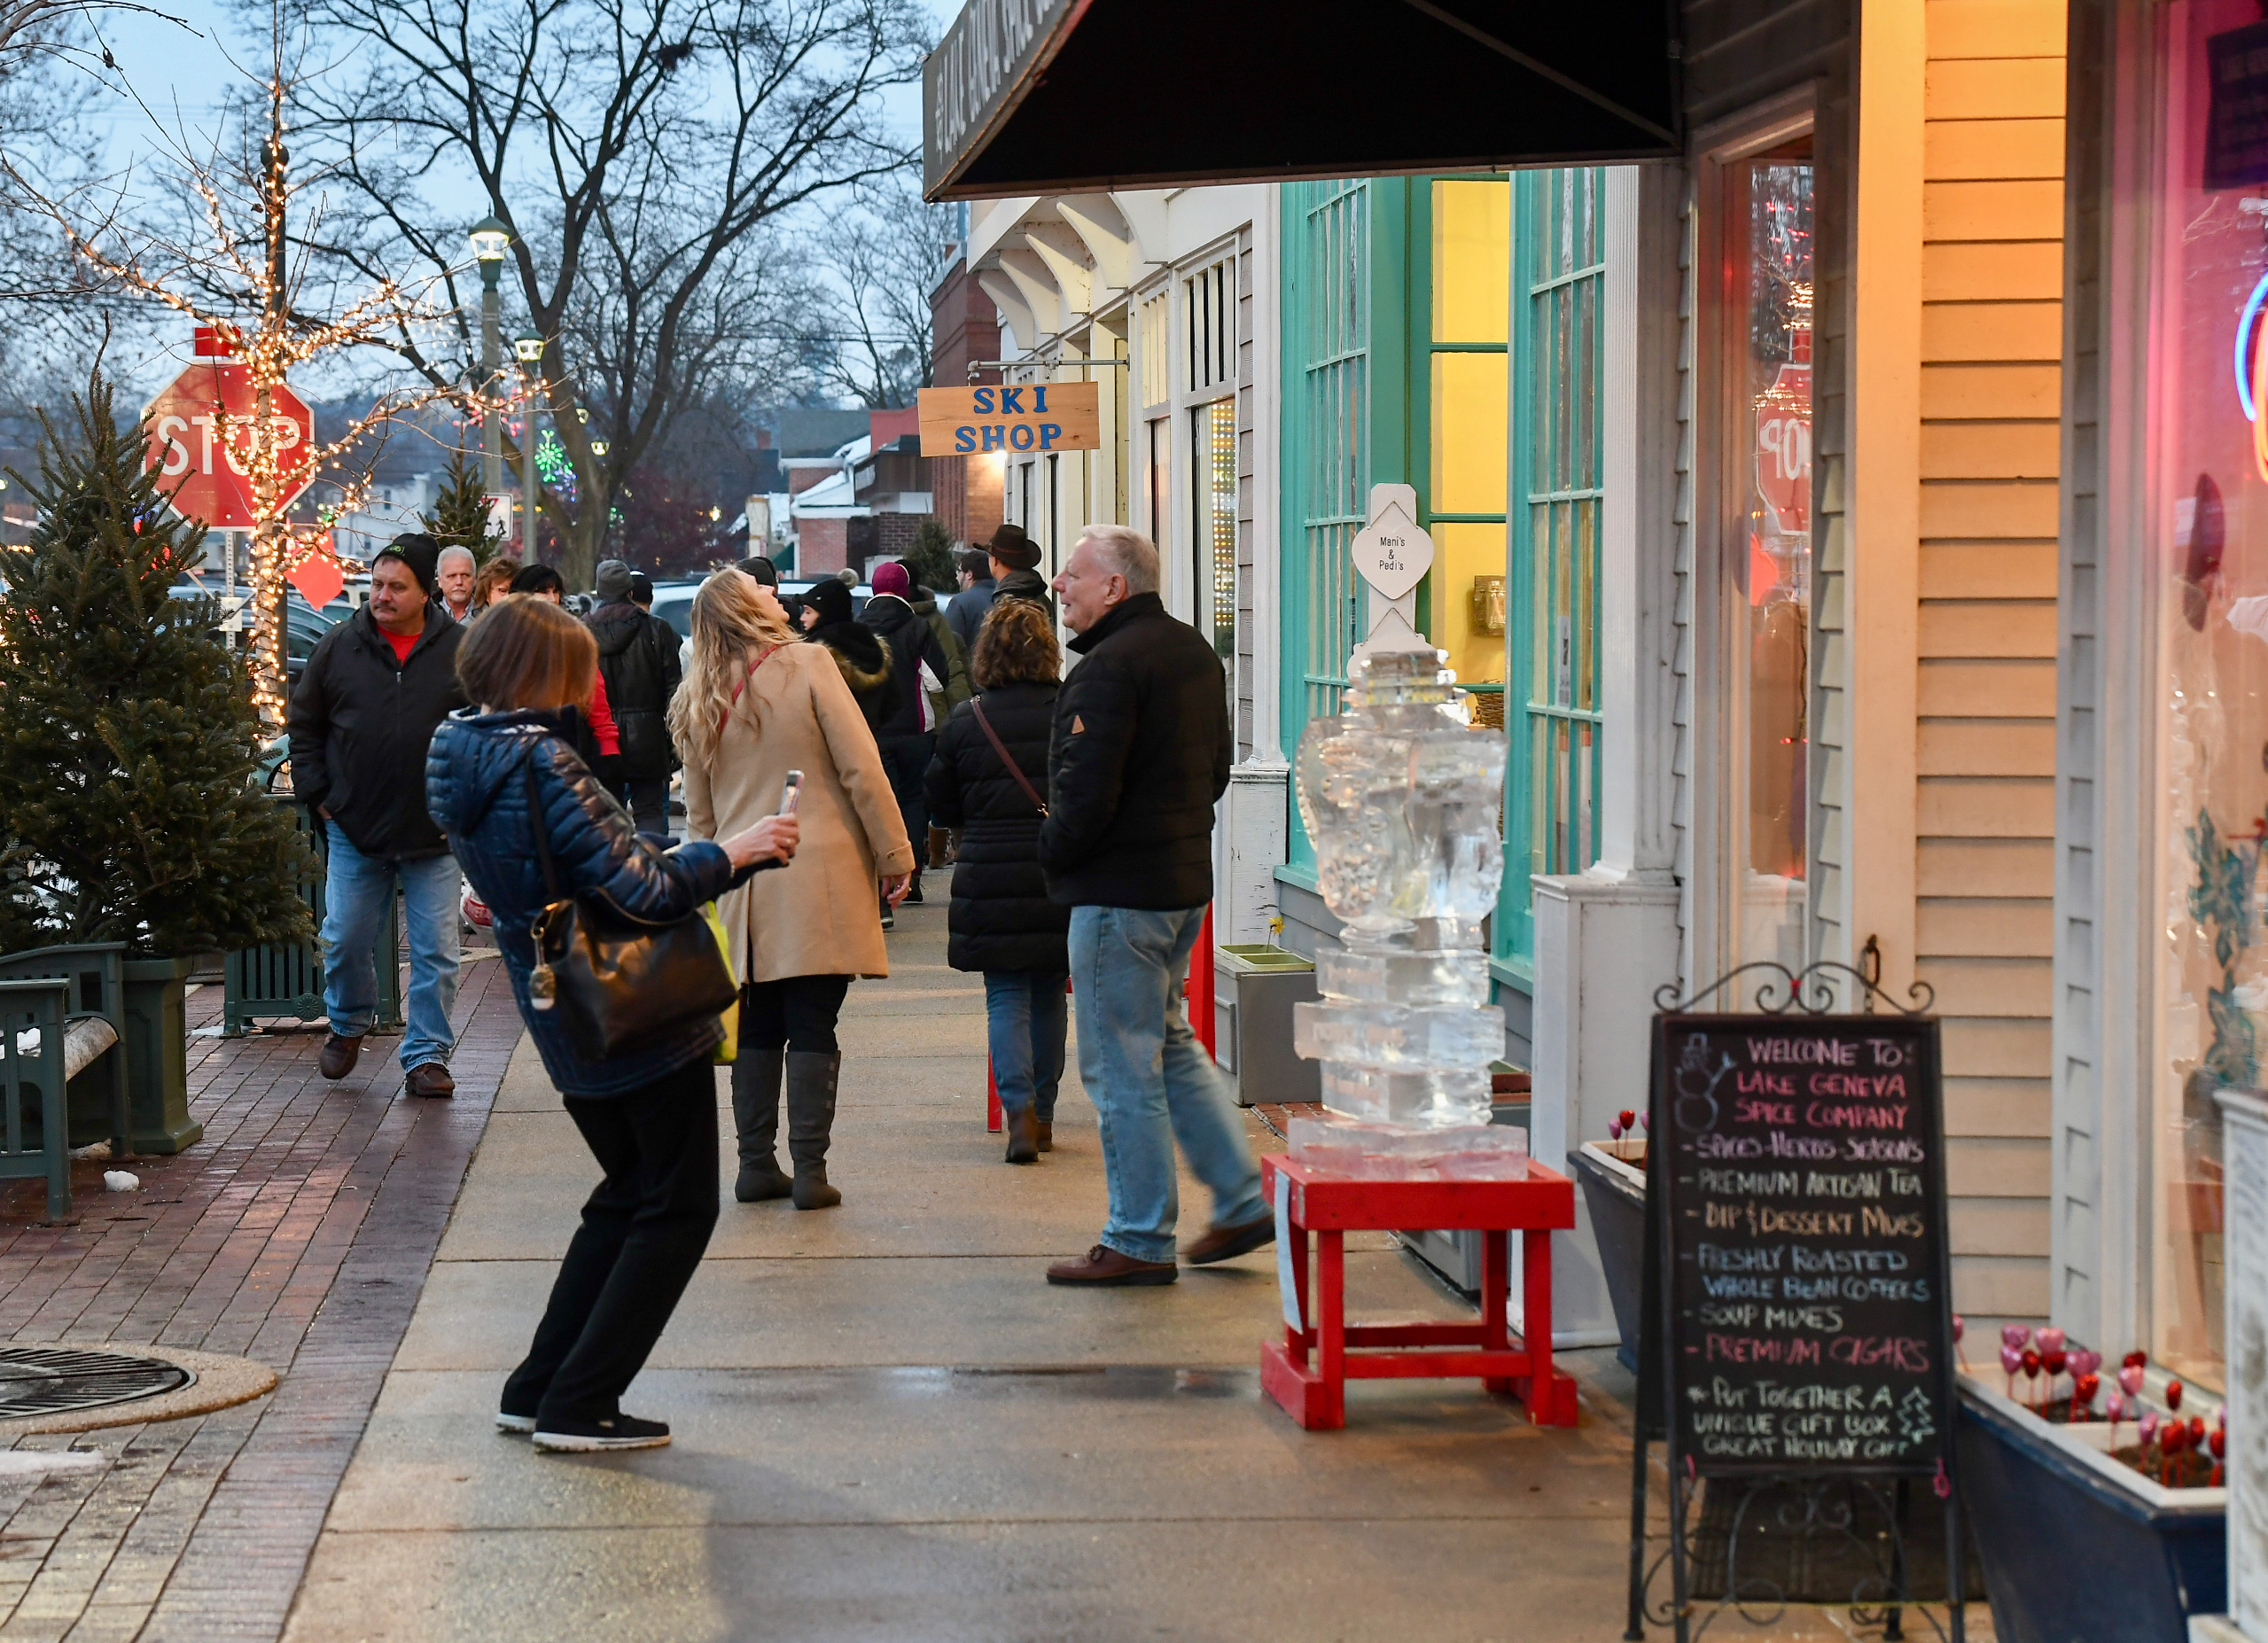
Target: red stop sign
200,438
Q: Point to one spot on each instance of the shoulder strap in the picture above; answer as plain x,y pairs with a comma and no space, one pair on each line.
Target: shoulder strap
536,826
743,685
984,724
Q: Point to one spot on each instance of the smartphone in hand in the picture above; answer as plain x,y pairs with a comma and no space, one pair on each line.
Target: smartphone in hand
791,792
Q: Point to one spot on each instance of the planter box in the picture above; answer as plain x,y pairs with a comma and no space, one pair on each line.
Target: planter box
1254,989
2076,1545
156,1066
1615,1193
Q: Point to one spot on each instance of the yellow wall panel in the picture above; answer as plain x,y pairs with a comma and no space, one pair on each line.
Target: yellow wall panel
1993,330
2008,629
1988,1287
1980,807
1965,510
1958,747
1998,208
1994,271
1996,88
1987,866
1998,1166
1987,926
2027,449
1997,1227
1988,987
1952,149
1997,1106
1988,689
1989,570
1995,28
1991,393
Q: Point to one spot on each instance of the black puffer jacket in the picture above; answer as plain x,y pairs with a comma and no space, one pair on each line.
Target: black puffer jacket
476,785
1138,758
637,657
1000,917
864,662
911,642
360,723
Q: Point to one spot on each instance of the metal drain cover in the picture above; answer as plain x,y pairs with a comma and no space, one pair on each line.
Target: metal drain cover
52,1380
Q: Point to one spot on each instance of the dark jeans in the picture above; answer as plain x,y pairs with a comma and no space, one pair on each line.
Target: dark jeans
641,1237
798,1012
647,800
904,760
1024,1011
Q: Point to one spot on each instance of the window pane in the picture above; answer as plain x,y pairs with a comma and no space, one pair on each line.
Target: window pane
1212,431
1468,614
1471,231
1469,432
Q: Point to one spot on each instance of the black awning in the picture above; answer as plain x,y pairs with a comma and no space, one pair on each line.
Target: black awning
1041,97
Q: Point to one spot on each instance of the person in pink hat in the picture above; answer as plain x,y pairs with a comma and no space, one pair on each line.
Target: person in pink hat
907,733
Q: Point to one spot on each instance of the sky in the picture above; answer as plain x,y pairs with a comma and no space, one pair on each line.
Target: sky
180,69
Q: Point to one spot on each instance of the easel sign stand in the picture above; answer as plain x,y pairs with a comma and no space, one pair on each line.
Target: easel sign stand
1798,1278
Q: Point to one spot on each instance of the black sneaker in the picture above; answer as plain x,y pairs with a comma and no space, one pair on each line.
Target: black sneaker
579,1437
514,1425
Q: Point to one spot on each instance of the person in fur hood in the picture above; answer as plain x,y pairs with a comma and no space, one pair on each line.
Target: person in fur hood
863,659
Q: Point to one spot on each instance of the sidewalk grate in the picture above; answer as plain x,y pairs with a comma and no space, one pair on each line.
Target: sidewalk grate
51,1380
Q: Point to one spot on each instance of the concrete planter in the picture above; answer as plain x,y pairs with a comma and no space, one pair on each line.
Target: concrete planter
2076,1545
156,1066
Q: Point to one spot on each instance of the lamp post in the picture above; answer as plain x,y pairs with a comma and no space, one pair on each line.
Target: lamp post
490,240
528,349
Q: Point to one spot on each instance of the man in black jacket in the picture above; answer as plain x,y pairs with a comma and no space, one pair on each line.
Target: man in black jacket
637,658
362,717
1138,757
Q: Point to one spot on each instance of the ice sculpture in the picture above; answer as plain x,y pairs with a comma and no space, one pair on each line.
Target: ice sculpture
1400,794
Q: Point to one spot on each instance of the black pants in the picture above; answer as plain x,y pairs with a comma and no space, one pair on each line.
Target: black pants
798,1012
641,1237
904,760
647,800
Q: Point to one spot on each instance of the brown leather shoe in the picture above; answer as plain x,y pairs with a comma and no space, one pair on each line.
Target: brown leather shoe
1022,1140
431,1078
1103,1265
1224,1243
1043,1130
339,1056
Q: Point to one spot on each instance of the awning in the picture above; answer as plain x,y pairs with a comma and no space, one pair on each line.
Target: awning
1043,96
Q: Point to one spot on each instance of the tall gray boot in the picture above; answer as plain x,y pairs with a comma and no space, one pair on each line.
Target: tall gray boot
811,1118
756,1119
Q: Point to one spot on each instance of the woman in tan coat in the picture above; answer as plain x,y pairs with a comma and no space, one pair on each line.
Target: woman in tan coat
755,705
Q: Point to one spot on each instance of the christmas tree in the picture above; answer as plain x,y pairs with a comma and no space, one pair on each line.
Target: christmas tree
929,562
460,512
128,746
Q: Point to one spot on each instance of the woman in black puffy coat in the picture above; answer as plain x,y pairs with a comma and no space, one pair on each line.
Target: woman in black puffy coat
992,786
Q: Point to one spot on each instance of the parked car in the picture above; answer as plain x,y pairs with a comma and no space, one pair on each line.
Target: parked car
673,600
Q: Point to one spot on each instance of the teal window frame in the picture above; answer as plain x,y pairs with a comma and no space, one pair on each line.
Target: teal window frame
1557,474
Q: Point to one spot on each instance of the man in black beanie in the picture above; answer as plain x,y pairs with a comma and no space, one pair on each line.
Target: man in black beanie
374,691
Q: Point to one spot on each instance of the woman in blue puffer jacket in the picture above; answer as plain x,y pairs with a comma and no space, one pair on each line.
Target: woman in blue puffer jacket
651,1117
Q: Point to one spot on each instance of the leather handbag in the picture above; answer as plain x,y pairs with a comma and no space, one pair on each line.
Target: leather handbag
618,981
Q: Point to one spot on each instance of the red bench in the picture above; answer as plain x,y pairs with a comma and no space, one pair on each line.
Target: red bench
1307,1371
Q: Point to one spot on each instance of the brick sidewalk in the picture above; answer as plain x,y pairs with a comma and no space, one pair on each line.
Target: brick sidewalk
299,1233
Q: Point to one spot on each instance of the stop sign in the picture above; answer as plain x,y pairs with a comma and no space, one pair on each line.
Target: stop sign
200,439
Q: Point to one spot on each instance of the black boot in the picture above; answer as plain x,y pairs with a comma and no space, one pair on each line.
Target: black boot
811,1118
756,1119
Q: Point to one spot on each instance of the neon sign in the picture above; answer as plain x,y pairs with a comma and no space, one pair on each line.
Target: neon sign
2252,373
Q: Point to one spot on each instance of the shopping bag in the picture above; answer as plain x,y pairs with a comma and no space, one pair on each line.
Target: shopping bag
730,1016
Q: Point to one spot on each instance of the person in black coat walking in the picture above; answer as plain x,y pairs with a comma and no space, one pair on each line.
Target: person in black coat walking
907,735
992,759
637,661
360,718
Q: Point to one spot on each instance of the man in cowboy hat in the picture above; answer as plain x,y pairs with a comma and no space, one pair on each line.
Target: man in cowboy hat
1016,568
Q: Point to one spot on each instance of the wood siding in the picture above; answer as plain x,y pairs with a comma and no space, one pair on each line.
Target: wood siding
1993,282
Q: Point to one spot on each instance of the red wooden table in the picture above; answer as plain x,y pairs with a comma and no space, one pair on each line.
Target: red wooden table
1307,1371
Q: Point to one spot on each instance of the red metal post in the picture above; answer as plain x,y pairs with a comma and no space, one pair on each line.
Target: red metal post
1198,989
993,1122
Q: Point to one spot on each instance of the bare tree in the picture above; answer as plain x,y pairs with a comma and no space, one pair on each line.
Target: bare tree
638,150
875,343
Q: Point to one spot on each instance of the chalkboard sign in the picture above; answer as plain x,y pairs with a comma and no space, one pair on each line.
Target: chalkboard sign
1796,1186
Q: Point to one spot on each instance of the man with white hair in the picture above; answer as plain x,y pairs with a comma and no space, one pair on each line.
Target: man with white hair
458,570
1138,758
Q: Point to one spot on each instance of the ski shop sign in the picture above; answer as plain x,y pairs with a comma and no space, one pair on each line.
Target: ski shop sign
1025,419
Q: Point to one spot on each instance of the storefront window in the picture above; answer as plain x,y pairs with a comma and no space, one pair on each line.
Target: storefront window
1465,422
1212,440
2210,511
1769,330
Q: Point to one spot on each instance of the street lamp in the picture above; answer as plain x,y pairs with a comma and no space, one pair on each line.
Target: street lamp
527,348
490,240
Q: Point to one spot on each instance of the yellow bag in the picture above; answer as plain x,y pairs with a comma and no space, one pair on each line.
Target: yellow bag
730,1049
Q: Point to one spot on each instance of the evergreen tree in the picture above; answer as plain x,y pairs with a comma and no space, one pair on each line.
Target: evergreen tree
460,512
930,559
128,808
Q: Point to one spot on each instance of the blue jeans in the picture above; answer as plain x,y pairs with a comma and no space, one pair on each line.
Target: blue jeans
358,896
1151,1082
1024,1026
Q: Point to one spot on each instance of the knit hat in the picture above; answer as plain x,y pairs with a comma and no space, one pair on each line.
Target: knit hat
613,582
1013,548
640,587
762,569
419,552
830,599
890,577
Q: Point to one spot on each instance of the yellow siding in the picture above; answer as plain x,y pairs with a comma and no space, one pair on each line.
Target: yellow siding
1992,276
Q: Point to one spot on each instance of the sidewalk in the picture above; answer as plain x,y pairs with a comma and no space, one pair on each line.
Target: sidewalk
889,1427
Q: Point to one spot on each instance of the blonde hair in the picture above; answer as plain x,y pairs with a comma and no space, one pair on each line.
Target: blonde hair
728,622
527,653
